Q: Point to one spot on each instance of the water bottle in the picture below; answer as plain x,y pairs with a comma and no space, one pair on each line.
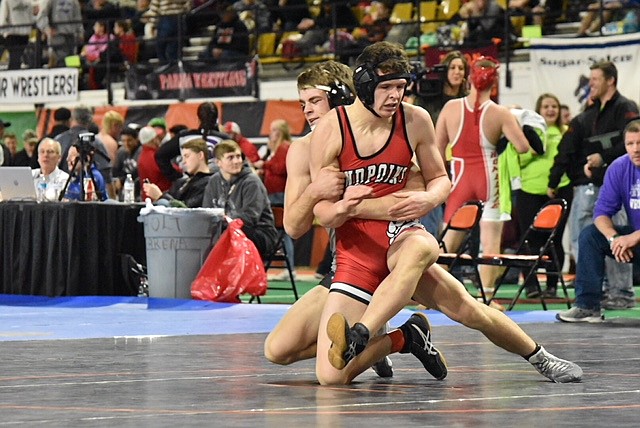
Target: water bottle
41,189
630,22
129,196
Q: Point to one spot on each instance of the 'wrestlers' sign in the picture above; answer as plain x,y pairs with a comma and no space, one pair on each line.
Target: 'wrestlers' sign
38,86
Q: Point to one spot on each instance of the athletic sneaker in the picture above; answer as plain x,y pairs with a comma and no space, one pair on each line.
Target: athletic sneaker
346,342
554,368
617,303
384,367
577,314
417,341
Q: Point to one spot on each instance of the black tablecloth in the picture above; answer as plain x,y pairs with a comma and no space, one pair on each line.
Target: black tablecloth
68,248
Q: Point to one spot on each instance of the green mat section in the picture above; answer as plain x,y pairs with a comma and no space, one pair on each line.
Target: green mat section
505,295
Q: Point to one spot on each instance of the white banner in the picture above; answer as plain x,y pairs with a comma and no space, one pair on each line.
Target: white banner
38,86
561,66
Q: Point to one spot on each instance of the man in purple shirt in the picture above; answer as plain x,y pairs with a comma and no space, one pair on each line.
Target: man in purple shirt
602,239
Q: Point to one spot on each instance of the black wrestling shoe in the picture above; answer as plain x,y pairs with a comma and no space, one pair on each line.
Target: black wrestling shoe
346,342
417,340
383,368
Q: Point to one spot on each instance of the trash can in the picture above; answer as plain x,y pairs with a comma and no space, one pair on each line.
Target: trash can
176,243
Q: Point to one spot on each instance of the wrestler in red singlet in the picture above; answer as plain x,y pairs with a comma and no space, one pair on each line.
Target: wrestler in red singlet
474,163
361,249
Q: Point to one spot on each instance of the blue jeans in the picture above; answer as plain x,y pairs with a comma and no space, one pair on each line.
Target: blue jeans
167,46
590,266
619,276
433,220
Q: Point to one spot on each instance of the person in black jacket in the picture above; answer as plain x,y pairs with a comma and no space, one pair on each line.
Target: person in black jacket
230,41
592,142
188,191
208,129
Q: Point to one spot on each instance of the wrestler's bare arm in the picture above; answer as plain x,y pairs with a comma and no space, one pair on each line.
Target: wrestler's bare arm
301,195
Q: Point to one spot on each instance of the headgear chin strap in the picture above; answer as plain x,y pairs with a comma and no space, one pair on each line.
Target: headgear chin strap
366,79
483,75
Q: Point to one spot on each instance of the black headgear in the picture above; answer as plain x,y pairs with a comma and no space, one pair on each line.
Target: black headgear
338,94
366,79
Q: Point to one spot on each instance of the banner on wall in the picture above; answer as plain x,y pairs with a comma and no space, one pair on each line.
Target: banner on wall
37,86
192,80
561,66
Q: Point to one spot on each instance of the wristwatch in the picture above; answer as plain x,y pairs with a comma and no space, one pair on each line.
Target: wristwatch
610,240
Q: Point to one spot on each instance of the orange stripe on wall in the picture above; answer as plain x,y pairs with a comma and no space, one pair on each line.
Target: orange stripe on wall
287,110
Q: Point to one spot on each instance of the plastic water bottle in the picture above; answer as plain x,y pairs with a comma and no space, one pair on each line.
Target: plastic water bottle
41,189
129,196
630,22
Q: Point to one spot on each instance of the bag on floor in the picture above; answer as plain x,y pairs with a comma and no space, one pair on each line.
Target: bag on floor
233,267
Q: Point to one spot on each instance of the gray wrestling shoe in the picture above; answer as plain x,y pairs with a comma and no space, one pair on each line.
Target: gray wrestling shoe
554,368
384,367
417,341
577,314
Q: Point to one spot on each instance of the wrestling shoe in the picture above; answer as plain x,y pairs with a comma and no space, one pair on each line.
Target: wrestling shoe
384,367
554,368
577,314
346,342
417,341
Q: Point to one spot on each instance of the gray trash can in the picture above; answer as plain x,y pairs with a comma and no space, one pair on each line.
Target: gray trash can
176,242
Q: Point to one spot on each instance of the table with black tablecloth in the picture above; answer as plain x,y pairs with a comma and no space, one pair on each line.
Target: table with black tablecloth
68,248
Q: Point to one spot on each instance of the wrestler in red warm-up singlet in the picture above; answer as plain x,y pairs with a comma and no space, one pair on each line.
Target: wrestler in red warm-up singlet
474,164
361,248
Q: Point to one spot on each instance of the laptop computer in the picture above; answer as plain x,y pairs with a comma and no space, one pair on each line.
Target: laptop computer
16,184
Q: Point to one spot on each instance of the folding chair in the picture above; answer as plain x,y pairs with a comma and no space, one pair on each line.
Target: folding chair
465,220
546,221
279,255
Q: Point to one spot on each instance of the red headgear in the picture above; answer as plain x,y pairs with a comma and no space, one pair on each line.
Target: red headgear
484,71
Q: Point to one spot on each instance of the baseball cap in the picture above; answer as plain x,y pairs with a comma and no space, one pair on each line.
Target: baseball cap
231,127
158,121
146,134
62,114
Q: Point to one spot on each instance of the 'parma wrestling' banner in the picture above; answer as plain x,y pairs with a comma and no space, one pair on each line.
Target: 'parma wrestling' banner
38,86
561,66
192,80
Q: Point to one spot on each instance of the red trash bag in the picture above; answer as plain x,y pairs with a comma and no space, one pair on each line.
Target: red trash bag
233,267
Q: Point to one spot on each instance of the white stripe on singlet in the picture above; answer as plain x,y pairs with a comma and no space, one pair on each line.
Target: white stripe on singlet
351,291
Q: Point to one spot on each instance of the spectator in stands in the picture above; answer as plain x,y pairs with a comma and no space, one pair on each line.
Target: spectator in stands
49,156
547,13
208,128
167,15
565,114
189,190
230,40
316,32
126,161
94,55
258,13
148,168
590,22
25,157
242,195
99,10
291,15
61,21
19,14
249,150
112,126
82,169
374,26
11,143
127,41
5,154
82,122
62,121
485,20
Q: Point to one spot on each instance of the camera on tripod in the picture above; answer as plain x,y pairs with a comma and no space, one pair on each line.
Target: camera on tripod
427,81
85,144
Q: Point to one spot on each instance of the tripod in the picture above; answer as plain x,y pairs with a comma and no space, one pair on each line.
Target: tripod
85,158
